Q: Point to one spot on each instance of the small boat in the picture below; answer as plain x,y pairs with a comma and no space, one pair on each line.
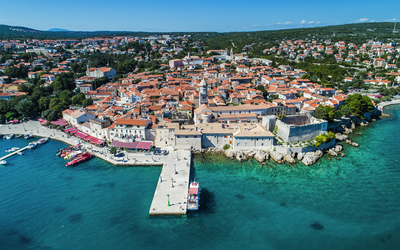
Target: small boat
18,136
32,145
3,162
28,136
194,196
20,153
43,140
8,137
10,150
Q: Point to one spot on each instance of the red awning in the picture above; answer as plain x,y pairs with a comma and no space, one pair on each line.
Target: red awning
69,129
81,135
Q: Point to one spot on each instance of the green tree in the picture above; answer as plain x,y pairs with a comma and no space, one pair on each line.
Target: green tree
359,105
324,112
87,102
113,150
27,108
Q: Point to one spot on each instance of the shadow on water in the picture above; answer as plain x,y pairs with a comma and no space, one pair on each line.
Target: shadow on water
14,239
74,218
207,201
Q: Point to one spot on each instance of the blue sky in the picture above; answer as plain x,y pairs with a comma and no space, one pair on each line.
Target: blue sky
178,15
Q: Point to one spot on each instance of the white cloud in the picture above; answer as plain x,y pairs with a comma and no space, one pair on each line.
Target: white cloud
318,22
391,20
303,22
287,23
361,20
311,22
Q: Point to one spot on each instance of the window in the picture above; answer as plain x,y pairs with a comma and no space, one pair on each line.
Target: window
195,136
186,136
178,136
262,144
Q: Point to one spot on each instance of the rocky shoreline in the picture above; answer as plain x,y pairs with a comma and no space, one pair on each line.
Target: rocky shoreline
343,129
307,159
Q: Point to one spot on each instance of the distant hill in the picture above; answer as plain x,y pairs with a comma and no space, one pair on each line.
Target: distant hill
347,32
14,32
57,30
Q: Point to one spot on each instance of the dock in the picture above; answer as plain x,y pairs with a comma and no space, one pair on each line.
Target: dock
175,173
170,197
13,153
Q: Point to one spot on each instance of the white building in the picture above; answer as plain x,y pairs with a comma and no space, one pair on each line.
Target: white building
101,72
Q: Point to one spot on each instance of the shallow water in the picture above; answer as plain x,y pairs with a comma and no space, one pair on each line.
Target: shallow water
352,203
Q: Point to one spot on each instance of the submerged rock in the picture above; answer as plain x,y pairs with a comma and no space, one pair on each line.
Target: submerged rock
317,226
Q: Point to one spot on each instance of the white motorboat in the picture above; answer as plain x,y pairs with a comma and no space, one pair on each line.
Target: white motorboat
3,162
43,140
8,137
10,150
194,196
27,136
32,145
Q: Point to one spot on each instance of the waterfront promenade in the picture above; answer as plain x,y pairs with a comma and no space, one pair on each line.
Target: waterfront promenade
384,104
175,171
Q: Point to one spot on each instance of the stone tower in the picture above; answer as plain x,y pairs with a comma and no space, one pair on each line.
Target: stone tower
203,96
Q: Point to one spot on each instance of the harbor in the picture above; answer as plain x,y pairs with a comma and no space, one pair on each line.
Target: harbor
170,196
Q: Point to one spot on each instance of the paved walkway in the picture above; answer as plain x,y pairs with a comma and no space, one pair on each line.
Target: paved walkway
384,104
173,185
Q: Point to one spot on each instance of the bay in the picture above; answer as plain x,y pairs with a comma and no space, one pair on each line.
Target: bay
351,203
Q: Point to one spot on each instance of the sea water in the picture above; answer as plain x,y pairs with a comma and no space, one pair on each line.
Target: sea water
351,203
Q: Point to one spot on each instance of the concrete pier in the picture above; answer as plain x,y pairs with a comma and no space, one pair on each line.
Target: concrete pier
173,185
13,153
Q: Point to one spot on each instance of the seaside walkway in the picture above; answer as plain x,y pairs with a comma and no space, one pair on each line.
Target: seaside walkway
170,197
384,104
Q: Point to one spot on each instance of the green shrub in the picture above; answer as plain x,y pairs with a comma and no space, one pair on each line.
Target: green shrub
226,147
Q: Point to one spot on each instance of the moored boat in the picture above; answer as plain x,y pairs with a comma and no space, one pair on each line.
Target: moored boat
32,145
3,162
27,136
43,140
8,137
10,150
194,196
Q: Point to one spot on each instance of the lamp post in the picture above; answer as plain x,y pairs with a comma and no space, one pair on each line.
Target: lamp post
168,201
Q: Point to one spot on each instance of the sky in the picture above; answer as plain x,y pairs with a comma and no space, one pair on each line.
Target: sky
181,16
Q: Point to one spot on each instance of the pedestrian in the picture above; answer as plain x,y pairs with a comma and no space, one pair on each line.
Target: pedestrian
160,178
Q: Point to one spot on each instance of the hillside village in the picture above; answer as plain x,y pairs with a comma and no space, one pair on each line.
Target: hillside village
192,98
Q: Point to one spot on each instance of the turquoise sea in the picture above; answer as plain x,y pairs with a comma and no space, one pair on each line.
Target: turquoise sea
351,203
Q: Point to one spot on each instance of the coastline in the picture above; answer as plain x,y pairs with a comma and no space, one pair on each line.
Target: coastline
130,159
384,104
